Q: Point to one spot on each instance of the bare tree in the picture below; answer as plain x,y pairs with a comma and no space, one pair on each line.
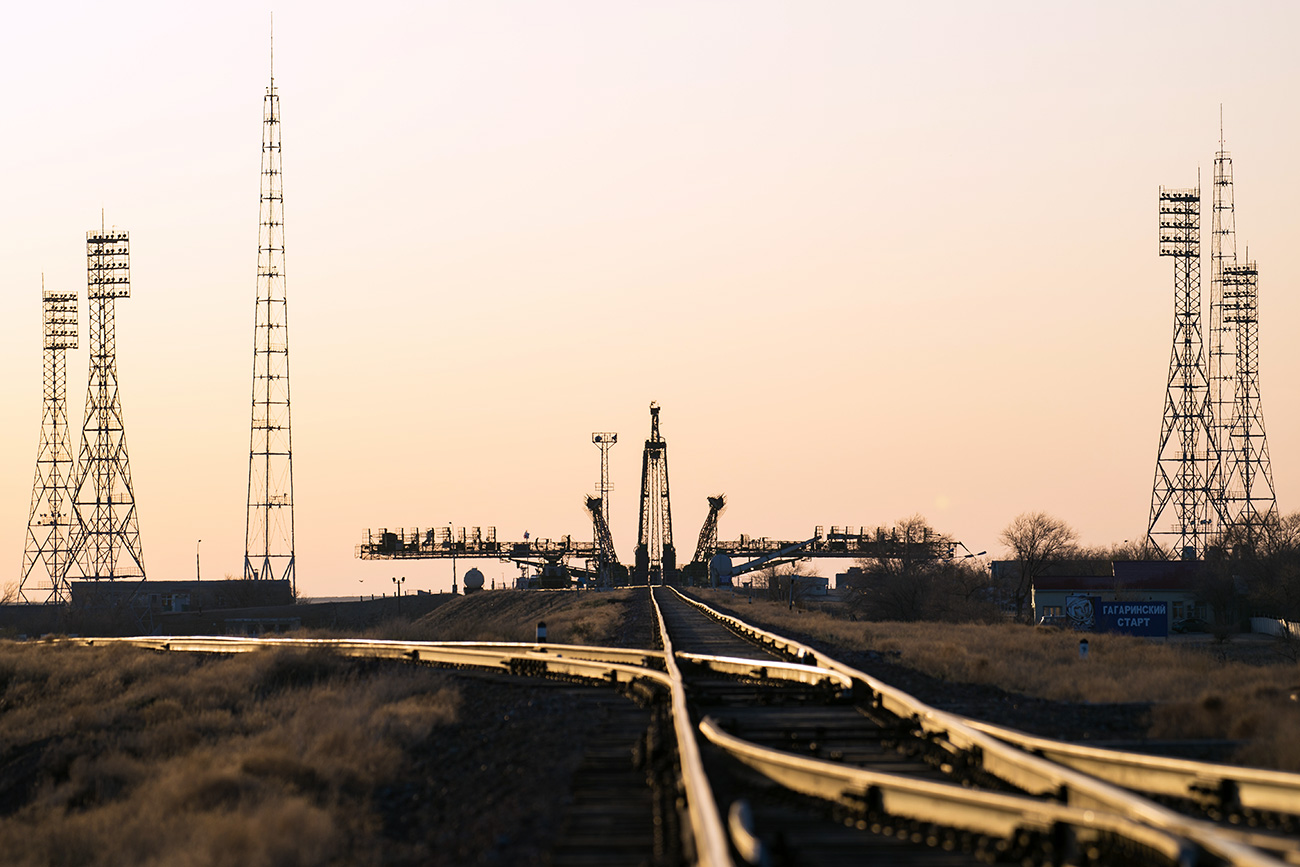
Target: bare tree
1036,540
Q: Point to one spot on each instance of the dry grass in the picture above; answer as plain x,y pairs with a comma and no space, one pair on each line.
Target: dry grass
571,617
122,756
1196,694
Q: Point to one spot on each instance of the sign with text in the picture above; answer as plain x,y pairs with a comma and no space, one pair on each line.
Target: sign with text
1133,618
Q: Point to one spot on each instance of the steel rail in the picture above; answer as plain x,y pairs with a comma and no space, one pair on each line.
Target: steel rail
945,804
505,658
1029,772
234,644
710,837
622,666
1249,788
769,670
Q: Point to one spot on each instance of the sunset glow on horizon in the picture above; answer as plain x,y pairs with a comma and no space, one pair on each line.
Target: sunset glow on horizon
871,261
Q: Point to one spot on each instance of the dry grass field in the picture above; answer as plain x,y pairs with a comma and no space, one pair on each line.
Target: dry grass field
117,756
122,756
1198,691
112,757
607,617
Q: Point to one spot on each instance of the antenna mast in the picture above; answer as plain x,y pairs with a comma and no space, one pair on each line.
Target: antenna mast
1222,334
268,536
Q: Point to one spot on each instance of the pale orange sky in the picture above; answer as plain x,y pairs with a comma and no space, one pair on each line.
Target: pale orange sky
871,260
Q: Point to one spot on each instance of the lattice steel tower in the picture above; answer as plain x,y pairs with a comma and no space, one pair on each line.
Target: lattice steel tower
49,524
656,559
604,440
268,536
1221,333
106,535
1181,506
1251,499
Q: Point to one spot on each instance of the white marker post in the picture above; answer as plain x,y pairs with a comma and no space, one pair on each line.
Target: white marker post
1083,648
541,632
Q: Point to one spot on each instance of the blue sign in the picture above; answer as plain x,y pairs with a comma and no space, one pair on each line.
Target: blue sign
1133,618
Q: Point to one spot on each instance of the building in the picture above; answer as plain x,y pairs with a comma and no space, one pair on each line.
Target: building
1140,597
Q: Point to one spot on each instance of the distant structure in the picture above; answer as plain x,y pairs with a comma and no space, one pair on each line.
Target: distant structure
707,545
1250,498
608,571
604,440
1221,332
106,532
656,559
1182,508
268,535
1242,479
49,524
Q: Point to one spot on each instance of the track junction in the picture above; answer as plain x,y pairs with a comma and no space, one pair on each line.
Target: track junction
762,750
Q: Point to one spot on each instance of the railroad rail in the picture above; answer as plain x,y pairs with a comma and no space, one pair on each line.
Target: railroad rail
1074,806
1017,761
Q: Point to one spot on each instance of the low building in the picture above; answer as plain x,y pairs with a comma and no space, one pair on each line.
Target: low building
1139,597
172,597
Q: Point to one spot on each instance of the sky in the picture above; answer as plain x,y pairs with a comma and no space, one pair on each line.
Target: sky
872,260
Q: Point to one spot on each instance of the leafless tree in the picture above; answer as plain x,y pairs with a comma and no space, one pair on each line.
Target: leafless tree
1036,540
1265,553
915,586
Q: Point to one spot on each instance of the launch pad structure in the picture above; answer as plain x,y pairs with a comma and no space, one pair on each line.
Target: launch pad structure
557,561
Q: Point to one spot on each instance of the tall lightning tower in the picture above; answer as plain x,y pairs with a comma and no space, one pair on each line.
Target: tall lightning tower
604,440
49,524
268,535
1221,335
656,559
1251,499
1181,505
106,532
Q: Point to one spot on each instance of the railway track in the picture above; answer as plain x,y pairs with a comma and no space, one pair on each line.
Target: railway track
767,751
1272,798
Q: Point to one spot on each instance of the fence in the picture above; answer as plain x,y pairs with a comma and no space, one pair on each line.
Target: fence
1276,628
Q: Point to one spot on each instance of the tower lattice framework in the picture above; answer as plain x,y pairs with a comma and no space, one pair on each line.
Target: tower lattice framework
268,537
50,521
1251,498
656,559
106,531
1221,336
1181,505
604,440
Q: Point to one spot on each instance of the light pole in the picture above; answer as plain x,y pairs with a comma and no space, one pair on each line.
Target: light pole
399,582
451,541
198,571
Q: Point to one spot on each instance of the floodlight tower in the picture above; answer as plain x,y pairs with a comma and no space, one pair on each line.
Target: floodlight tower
604,440
1222,334
268,533
106,535
1181,506
656,559
49,524
1252,499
